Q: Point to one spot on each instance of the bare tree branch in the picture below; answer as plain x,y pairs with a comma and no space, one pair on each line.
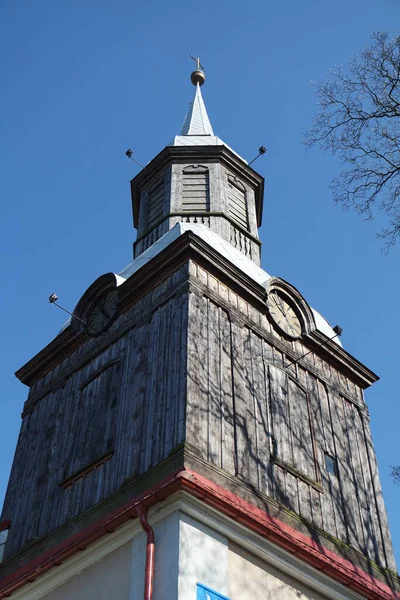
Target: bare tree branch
359,121
395,474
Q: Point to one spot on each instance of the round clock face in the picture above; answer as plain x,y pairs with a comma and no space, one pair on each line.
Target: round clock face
283,314
102,313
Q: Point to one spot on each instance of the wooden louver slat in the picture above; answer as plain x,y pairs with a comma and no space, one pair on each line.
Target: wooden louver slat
195,191
237,205
155,203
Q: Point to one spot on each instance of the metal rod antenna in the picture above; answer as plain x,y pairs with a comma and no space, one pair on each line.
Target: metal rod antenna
293,362
129,154
53,300
262,150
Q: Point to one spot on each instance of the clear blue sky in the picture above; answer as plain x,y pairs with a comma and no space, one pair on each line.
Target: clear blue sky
83,81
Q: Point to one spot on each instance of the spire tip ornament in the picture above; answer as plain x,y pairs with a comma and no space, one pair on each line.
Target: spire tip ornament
198,76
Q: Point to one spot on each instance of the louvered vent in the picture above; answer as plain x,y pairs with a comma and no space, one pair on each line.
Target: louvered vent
195,190
156,203
237,203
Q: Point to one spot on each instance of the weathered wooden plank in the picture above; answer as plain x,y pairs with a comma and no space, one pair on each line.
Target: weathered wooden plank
336,481
327,500
366,495
280,436
305,501
197,397
44,481
386,556
280,415
214,386
343,432
300,427
244,405
279,479
160,397
165,374
228,445
267,353
292,492
150,393
262,432
251,406
132,409
266,443
172,365
318,431
180,411
348,464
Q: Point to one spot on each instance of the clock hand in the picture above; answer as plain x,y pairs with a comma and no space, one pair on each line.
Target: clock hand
104,312
279,304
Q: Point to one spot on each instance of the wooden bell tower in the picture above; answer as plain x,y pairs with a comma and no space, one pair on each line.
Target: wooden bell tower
196,430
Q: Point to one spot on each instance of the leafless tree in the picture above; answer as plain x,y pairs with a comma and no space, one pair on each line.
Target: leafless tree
359,121
396,474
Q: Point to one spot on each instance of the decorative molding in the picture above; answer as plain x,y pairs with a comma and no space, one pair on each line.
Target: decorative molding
164,218
277,534
287,289
86,470
187,246
197,155
97,372
286,467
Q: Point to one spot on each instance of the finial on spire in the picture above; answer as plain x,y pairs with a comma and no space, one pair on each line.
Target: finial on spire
198,76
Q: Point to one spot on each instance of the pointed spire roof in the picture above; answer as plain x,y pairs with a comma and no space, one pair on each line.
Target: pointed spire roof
197,130
197,121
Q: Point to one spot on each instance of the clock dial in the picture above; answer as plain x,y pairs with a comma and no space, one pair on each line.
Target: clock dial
102,314
283,314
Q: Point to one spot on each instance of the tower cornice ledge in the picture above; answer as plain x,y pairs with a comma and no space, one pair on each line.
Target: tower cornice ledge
205,154
364,578
187,246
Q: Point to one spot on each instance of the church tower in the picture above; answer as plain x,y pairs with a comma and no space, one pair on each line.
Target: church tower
196,431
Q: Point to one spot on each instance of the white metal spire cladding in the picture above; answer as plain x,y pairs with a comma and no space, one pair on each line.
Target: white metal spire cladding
197,121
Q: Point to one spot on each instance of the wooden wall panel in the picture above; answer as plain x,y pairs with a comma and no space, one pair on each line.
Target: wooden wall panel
228,441
383,524
327,497
282,431
366,493
245,419
195,368
348,468
215,413
337,483
128,400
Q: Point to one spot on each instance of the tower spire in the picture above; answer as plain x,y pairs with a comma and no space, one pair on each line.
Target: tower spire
197,121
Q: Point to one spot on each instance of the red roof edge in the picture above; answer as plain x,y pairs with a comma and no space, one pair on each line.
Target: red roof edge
226,502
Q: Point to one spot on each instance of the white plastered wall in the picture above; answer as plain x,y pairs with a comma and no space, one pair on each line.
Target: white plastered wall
252,579
193,544
203,558
105,579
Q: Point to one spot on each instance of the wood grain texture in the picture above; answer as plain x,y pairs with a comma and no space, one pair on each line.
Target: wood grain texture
285,423
202,366
129,399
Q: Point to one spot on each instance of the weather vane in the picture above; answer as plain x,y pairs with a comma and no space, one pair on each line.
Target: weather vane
198,76
198,63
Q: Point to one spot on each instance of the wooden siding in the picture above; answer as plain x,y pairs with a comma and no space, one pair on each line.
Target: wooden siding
248,416
195,190
202,366
128,400
155,203
237,203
